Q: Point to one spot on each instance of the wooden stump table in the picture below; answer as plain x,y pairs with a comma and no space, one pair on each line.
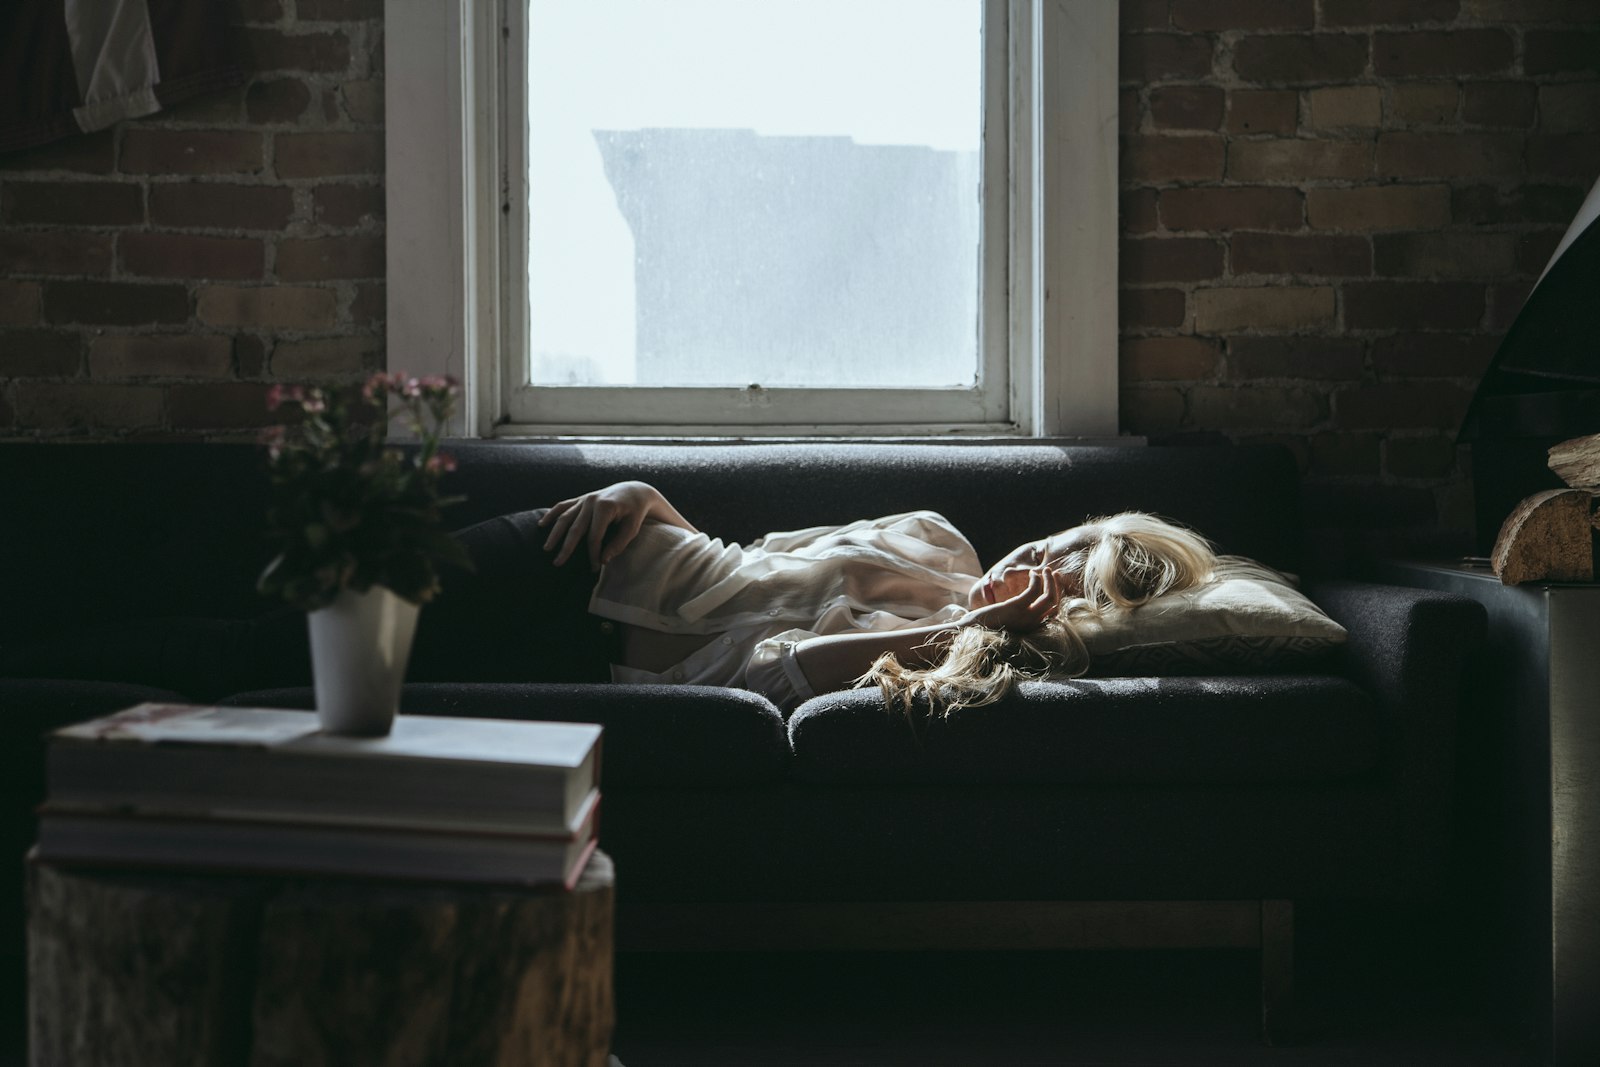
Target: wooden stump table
141,969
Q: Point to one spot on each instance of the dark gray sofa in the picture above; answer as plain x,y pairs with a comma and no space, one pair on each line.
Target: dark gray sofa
730,824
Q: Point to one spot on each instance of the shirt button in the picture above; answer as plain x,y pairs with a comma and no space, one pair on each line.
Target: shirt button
727,640
608,627
772,611
677,676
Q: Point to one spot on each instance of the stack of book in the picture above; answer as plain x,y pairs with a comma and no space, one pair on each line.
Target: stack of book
260,789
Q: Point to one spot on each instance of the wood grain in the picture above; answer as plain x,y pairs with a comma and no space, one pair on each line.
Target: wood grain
1547,537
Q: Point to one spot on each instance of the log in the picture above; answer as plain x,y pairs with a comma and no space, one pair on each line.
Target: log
1547,537
1577,461
145,968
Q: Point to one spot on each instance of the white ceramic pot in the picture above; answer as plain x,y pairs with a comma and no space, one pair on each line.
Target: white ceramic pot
359,647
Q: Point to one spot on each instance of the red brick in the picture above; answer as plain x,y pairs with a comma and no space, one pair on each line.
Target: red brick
1423,103
259,10
73,203
1144,15
1498,103
324,357
172,255
1215,407
323,155
1300,59
1560,52
1454,52
94,153
180,355
219,107
363,100
1523,203
1343,455
1432,355
338,10
1170,259
80,405
1324,358
1444,255
115,303
1571,155
1379,207
1573,107
1298,159
1345,107
1341,13
1401,406
39,353
1168,159
1267,253
1420,457
54,252
1150,308
1432,155
369,305
326,258
149,151
1231,208
1523,12
1412,305
1146,58
264,50
1138,211
219,405
1219,15
217,206
1263,111
1186,107
277,100
348,205
249,355
1150,359
287,307
19,303
1128,116
1150,411
1263,307
1535,249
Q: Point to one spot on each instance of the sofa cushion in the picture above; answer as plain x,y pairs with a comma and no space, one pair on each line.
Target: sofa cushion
655,735
1248,618
1125,731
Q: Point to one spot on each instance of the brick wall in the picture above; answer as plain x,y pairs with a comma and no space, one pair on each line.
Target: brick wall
155,278
1331,210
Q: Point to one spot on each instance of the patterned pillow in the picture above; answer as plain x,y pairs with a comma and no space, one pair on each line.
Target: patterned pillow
1248,618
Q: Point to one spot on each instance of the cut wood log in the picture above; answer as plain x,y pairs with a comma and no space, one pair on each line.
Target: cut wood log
128,968
1547,537
1577,462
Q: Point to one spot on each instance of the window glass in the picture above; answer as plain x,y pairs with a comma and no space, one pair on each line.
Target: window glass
729,192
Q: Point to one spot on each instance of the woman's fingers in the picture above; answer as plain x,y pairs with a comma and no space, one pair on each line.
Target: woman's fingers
558,529
582,517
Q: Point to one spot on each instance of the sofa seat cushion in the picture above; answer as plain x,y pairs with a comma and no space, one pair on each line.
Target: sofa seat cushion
1123,731
655,735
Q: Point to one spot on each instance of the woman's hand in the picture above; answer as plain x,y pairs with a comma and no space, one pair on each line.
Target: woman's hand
621,509
1023,599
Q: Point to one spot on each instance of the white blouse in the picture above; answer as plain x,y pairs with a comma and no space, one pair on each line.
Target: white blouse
762,599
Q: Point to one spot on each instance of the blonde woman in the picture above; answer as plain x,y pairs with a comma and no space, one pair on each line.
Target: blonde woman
900,602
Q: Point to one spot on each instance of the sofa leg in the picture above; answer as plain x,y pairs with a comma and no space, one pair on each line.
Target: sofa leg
1277,972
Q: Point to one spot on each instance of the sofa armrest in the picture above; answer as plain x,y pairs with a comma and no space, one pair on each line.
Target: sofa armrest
1411,649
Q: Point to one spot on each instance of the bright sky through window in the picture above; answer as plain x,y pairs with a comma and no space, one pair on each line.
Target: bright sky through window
627,97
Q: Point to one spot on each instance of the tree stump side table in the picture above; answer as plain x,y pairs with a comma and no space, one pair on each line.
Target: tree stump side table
257,971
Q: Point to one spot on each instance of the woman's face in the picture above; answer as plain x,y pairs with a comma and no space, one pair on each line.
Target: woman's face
1063,553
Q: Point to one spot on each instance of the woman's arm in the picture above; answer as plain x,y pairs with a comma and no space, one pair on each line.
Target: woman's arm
837,660
627,506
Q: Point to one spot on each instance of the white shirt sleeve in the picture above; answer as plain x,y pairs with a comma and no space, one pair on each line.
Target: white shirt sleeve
774,672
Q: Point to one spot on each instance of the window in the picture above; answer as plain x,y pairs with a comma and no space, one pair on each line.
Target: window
661,236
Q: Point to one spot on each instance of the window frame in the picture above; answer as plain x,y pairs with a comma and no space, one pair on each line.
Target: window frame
456,225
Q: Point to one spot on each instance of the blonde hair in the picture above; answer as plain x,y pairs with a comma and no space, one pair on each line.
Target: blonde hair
1136,558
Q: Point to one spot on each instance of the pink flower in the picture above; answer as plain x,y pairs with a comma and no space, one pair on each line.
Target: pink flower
314,403
443,462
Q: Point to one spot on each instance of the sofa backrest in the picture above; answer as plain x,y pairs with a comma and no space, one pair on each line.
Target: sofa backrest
129,530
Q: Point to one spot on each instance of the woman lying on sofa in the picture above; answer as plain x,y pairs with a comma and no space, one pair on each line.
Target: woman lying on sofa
900,601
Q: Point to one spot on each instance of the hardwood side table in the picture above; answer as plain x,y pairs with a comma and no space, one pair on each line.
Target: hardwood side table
1536,746
170,968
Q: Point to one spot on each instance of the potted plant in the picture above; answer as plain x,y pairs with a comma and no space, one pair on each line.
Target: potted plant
357,525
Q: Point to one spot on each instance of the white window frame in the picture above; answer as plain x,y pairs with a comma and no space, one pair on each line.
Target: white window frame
455,228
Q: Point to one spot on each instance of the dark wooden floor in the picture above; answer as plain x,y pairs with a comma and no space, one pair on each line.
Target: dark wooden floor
1373,993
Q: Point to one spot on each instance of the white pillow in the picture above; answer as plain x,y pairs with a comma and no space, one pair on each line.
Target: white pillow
1249,617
